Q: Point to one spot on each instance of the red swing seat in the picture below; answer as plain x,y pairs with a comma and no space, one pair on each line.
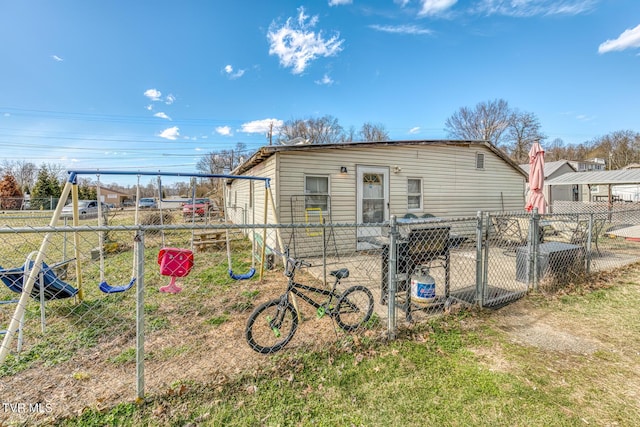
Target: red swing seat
174,262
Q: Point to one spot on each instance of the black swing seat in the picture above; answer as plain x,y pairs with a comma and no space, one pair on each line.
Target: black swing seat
53,286
343,273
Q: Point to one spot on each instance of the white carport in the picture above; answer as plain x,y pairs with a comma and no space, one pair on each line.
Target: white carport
608,178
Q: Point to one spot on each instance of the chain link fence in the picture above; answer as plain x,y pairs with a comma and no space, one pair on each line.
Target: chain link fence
120,310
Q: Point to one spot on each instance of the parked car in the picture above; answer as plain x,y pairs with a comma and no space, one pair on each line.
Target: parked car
147,203
202,206
86,209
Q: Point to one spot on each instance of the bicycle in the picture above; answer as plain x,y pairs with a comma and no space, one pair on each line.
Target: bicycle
274,323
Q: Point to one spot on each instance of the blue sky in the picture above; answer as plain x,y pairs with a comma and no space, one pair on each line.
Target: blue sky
154,85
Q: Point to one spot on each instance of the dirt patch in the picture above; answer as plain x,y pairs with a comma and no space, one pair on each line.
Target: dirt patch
190,350
544,329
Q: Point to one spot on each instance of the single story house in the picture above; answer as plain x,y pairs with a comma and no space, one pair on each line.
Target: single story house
367,182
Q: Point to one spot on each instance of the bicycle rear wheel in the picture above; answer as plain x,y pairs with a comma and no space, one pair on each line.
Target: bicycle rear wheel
354,307
271,326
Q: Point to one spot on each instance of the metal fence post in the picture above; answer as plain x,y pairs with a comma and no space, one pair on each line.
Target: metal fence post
324,252
534,238
485,267
479,240
393,267
139,251
588,254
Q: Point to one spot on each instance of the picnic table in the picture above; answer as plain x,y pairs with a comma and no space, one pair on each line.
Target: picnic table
205,239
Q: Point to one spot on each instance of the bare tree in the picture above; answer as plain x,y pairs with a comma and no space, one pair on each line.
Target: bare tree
619,148
23,171
323,130
223,161
373,132
554,150
219,162
488,121
523,130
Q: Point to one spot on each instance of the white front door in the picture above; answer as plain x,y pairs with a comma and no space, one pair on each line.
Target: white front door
372,201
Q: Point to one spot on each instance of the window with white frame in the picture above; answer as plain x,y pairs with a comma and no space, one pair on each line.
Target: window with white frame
316,190
479,160
414,194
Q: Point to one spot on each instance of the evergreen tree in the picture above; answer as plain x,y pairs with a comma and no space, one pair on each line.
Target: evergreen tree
46,190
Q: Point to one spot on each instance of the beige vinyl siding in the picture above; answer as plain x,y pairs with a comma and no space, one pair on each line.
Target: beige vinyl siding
245,211
452,186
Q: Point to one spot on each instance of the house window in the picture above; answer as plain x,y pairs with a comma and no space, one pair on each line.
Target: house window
316,190
414,193
479,160
595,189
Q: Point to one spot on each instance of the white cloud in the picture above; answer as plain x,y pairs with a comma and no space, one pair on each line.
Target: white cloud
57,58
262,126
7,114
401,29
224,130
339,2
170,133
435,7
162,115
325,80
526,8
231,74
296,45
149,107
153,94
414,130
628,39
584,118
170,99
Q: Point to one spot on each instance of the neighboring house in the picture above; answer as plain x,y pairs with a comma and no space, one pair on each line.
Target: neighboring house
113,198
590,165
367,182
559,192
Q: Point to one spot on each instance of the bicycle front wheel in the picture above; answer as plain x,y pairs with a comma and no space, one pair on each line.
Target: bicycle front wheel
271,326
354,308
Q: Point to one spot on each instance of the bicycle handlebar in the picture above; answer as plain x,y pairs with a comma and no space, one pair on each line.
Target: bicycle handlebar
293,264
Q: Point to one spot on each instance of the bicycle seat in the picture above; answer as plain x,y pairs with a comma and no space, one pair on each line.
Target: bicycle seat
340,274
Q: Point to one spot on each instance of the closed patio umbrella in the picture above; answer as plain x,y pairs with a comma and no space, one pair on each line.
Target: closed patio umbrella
535,198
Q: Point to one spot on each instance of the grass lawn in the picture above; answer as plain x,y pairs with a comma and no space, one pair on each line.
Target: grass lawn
563,360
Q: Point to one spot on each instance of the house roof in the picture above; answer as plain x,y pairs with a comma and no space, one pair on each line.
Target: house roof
550,167
616,177
267,151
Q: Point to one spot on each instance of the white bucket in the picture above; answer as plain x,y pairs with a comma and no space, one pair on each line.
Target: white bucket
423,287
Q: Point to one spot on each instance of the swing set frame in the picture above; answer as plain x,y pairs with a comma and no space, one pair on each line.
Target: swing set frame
71,188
